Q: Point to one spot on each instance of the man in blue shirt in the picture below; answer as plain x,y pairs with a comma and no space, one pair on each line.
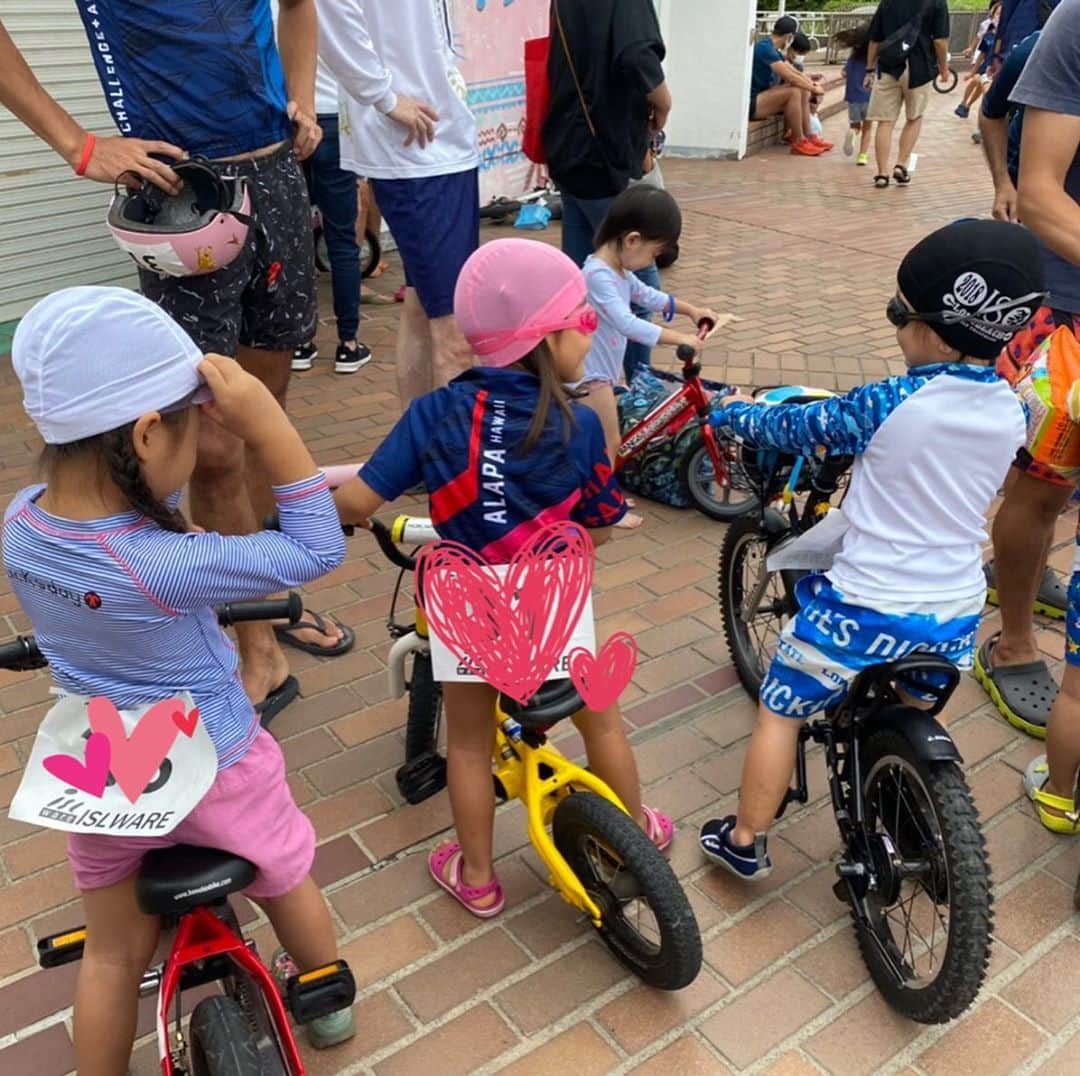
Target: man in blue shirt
206,78
779,87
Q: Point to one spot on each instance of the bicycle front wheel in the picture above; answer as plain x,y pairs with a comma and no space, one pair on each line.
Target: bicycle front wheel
647,921
925,928
725,500
755,603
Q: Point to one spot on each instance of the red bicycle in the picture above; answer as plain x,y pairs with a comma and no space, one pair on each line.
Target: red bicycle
244,1031
709,473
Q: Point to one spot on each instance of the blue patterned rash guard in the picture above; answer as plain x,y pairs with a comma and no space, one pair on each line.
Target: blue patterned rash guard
932,448
204,75
464,443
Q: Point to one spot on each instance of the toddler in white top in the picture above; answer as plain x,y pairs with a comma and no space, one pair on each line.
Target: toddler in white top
642,223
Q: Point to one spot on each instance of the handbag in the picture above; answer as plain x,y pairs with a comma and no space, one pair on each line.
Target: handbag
537,97
895,48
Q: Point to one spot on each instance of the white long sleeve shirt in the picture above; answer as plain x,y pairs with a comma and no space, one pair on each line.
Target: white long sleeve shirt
377,49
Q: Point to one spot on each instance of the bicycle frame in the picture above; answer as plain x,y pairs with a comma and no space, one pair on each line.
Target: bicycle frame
540,776
690,397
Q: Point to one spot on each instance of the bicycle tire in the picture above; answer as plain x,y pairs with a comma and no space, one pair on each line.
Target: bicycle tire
425,709
221,1040
674,962
693,468
954,78
958,841
748,656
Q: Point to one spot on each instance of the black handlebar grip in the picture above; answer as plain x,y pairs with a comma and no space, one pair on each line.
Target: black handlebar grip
290,608
685,353
389,548
22,655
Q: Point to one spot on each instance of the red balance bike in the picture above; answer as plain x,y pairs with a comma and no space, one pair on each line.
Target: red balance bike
244,1031
710,473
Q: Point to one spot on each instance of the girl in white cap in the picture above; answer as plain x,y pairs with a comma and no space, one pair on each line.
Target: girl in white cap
121,593
504,451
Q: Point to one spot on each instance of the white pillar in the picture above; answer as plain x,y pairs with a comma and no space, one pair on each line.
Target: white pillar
709,48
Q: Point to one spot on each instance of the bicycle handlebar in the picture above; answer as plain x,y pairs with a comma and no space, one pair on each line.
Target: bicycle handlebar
390,550
23,654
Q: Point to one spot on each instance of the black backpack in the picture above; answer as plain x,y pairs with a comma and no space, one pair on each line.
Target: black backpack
896,48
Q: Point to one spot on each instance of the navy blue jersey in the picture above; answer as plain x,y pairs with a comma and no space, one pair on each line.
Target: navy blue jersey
464,443
202,74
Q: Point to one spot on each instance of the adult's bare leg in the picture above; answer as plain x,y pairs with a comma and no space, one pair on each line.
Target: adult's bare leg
451,354
882,145
908,137
1023,532
783,99
414,351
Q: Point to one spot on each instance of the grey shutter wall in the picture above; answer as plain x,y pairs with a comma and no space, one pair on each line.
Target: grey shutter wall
52,224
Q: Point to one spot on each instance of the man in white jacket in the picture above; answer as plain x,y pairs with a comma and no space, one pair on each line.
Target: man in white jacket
406,126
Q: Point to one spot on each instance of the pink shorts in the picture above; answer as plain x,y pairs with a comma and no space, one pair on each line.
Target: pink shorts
249,811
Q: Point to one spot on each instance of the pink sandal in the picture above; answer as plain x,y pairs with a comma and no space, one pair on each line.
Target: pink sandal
450,855
659,828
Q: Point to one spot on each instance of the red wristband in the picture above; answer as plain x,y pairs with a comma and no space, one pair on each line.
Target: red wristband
87,153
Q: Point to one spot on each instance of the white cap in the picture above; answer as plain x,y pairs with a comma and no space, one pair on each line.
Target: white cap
91,359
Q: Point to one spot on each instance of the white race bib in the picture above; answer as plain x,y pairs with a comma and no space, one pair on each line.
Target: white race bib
70,784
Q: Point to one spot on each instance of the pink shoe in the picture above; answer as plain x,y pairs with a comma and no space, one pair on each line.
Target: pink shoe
659,828
399,295
450,855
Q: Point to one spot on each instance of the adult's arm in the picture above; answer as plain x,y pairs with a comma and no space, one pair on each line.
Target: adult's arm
346,46
21,92
660,100
790,74
1047,148
939,30
297,44
995,144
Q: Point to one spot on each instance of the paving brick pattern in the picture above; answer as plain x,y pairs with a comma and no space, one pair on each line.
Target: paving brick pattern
804,252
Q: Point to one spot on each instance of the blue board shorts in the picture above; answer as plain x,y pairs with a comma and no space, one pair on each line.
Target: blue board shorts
830,641
1072,614
435,222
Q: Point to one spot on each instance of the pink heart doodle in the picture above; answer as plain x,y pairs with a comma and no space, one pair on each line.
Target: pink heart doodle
89,777
602,679
509,632
135,758
186,724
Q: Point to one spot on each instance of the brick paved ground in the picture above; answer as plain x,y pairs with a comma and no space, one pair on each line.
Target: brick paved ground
804,252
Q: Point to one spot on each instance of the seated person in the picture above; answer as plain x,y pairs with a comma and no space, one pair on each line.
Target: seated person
777,86
933,447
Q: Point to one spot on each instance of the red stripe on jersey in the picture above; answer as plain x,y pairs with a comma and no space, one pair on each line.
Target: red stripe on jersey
462,492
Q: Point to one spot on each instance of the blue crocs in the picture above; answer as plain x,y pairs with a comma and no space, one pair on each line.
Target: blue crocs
743,860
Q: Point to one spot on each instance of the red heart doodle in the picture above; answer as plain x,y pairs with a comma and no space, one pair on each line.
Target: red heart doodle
186,723
602,679
135,758
89,777
511,631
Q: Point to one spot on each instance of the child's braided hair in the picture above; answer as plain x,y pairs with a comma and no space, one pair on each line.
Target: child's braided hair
116,457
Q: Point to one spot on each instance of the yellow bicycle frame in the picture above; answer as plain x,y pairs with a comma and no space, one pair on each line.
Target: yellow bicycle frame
541,777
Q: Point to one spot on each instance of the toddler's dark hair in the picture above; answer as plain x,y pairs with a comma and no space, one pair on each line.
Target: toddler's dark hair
115,455
801,43
650,211
856,38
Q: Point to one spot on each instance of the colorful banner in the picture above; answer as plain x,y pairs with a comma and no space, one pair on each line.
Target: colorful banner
489,37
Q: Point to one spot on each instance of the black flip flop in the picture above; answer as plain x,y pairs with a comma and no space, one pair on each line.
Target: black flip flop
1024,694
317,623
881,181
277,700
900,174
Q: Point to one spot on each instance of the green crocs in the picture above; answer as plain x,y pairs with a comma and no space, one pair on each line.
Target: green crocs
1052,600
324,1031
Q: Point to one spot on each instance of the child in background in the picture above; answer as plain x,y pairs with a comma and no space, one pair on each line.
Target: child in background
642,223
120,423
981,52
856,95
508,432
932,448
798,50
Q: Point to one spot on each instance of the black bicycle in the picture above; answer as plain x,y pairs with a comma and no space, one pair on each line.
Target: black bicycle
914,868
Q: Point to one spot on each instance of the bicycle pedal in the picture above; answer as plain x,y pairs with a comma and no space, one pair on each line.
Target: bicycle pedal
422,777
63,948
320,992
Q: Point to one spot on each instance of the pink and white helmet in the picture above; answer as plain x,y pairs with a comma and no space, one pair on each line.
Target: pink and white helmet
197,231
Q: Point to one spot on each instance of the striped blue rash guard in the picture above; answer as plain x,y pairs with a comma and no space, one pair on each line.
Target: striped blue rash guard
204,75
124,609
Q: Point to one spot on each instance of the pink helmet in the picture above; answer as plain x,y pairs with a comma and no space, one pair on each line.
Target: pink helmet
197,231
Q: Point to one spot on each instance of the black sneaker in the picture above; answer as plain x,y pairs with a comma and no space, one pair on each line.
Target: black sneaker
303,358
347,360
744,861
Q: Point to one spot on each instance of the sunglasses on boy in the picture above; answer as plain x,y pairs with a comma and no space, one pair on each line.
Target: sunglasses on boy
900,314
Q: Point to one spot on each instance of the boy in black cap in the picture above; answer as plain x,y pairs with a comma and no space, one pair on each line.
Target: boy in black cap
932,447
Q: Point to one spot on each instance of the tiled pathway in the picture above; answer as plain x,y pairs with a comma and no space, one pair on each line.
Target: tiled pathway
804,252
